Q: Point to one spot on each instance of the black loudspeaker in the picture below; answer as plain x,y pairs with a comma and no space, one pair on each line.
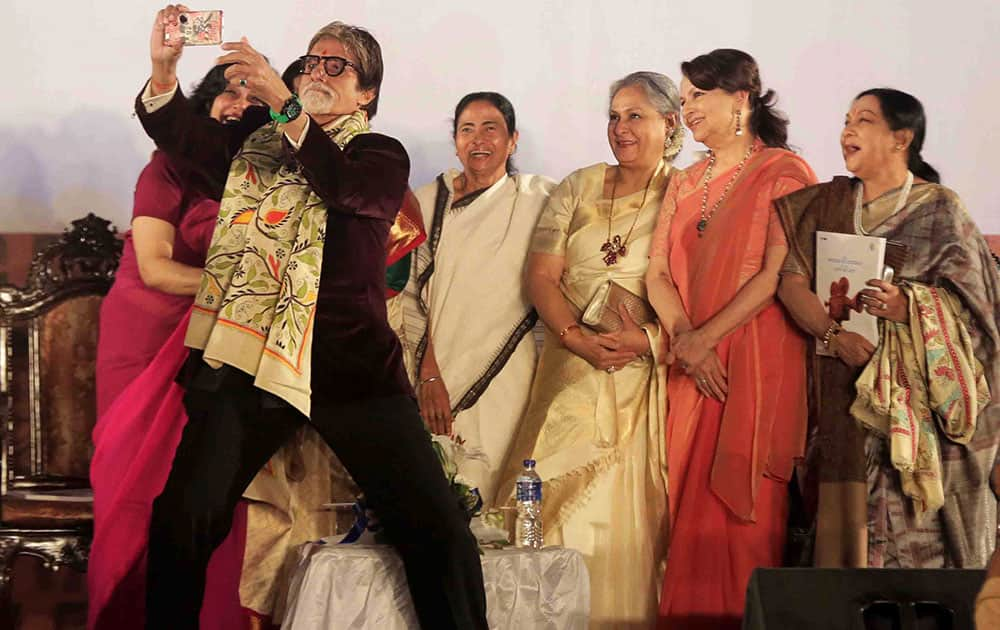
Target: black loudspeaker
862,599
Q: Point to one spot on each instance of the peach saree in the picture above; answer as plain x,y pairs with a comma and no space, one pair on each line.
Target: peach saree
728,463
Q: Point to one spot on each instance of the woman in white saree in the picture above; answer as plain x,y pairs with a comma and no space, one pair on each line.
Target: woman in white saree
595,420
466,311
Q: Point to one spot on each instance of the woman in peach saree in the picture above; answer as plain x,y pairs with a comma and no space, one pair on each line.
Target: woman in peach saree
736,416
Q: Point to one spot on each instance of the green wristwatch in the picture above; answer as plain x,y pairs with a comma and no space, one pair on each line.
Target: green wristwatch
289,111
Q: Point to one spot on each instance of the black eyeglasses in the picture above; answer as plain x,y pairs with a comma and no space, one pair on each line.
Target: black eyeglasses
333,66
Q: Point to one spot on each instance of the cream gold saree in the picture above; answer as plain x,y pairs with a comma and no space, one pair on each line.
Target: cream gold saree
598,437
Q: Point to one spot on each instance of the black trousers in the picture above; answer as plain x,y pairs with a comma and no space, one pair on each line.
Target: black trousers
231,433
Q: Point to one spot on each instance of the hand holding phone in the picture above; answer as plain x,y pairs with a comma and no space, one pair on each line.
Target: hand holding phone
164,54
195,28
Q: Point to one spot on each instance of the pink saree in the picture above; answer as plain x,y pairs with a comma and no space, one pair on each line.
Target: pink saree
125,349
132,458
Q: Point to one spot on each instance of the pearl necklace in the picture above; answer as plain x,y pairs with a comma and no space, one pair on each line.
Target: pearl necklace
707,215
904,194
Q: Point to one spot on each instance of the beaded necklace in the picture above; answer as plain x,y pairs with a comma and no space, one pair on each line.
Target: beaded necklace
706,215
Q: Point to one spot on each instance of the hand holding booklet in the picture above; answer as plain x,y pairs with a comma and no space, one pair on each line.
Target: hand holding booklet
844,264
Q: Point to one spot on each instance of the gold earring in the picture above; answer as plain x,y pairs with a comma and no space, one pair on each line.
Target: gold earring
739,122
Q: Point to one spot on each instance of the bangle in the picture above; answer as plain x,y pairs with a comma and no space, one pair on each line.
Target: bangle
430,380
565,331
832,331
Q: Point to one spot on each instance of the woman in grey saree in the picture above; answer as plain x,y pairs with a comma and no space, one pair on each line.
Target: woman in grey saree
905,433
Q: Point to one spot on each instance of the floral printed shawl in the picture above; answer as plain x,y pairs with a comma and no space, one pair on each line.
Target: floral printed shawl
257,300
923,373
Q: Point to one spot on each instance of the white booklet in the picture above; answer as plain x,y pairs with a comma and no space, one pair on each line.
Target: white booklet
844,264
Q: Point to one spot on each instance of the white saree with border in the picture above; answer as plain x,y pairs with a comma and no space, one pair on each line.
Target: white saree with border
466,293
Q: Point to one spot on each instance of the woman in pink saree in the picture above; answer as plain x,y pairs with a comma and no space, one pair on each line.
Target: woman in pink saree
139,352
736,389
172,222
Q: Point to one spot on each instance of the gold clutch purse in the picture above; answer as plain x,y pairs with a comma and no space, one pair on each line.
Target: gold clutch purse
602,315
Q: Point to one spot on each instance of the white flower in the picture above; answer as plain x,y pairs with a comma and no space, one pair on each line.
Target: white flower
449,452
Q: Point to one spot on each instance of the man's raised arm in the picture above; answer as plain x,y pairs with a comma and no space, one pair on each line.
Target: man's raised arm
199,141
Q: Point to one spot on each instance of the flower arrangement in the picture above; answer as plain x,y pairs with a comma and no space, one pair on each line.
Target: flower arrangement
489,526
449,452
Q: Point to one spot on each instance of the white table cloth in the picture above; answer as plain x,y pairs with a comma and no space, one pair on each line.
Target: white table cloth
364,586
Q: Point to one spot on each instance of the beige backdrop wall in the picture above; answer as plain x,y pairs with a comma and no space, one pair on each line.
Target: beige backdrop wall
68,142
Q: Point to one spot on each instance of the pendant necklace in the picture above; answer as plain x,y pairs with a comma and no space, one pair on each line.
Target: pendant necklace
615,247
706,215
904,194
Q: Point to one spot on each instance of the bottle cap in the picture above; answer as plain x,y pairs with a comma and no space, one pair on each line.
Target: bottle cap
529,463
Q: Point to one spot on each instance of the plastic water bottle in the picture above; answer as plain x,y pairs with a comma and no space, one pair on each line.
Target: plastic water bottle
529,507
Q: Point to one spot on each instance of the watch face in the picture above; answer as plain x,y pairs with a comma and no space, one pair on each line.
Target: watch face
292,108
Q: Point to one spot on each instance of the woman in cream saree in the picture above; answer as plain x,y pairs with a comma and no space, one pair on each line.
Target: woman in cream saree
467,319
595,418
482,330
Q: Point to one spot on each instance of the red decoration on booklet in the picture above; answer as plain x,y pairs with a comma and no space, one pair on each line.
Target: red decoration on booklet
844,265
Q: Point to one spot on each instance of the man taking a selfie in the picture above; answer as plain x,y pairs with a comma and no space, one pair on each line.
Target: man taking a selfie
289,325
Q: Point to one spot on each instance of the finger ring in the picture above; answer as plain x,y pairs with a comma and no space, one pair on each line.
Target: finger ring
243,82
884,306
